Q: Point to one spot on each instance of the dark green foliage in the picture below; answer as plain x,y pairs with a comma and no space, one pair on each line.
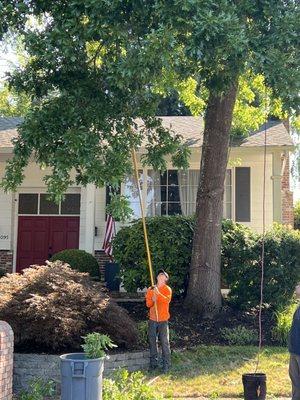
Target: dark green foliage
172,105
90,75
283,323
241,258
39,389
171,245
79,260
239,336
297,215
170,241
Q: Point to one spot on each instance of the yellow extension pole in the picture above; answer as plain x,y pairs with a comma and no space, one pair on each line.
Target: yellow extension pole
136,173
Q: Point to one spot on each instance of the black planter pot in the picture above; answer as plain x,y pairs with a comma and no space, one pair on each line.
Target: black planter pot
112,271
255,386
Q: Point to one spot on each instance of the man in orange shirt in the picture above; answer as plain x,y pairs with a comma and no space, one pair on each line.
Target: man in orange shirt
158,299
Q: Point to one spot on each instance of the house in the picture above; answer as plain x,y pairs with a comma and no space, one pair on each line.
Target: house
32,228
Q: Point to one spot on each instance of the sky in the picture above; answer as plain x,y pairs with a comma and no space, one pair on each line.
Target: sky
8,58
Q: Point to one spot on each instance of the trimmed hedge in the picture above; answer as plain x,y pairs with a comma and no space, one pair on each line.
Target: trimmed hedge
282,268
79,260
170,240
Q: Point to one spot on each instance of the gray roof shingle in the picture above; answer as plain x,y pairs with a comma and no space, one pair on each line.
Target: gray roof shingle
191,128
8,130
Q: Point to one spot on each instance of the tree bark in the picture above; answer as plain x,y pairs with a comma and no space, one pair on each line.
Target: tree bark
204,288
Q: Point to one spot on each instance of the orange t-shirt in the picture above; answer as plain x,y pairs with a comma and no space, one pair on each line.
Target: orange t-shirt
163,299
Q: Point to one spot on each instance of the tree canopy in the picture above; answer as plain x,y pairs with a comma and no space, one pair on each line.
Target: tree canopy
95,66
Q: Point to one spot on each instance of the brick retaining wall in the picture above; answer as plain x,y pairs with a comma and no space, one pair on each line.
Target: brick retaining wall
6,360
287,195
6,261
29,366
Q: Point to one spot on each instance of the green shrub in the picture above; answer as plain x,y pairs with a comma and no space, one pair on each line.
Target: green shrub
129,386
284,319
38,390
143,333
240,336
79,260
242,268
297,215
95,345
170,240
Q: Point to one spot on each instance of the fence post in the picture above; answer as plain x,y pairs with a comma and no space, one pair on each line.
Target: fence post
6,360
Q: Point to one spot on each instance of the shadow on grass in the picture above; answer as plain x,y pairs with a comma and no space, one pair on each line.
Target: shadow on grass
216,360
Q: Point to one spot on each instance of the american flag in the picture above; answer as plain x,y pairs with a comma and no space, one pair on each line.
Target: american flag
109,234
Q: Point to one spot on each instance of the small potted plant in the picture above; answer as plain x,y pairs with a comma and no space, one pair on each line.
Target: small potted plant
81,373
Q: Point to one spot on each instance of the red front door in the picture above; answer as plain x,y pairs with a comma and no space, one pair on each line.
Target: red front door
41,237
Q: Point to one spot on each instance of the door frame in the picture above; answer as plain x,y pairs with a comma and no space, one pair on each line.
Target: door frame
35,190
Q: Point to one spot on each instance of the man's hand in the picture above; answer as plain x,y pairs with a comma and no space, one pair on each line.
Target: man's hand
154,297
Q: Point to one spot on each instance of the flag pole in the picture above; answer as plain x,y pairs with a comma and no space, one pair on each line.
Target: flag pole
135,167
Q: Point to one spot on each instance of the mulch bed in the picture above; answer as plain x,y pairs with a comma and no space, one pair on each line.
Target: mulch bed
192,330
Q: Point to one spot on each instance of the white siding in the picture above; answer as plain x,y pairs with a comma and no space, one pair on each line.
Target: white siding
100,217
6,239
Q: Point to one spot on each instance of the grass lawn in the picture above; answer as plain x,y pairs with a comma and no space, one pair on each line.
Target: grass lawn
216,371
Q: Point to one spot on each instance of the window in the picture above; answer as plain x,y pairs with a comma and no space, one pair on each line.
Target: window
28,203
172,192
163,195
40,204
188,185
131,192
48,206
71,204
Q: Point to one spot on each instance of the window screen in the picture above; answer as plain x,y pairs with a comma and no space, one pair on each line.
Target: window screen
71,204
28,203
48,206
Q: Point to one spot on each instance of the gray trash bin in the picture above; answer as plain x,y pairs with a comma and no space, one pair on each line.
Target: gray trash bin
81,378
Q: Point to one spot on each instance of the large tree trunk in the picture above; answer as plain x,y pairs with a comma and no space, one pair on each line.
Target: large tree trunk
204,289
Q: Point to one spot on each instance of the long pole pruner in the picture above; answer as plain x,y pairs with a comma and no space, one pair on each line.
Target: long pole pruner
136,173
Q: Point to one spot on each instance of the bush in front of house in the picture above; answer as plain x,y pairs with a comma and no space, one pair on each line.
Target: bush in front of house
170,240
297,215
79,260
283,323
281,268
53,306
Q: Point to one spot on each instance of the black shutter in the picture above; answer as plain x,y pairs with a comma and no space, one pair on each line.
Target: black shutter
242,194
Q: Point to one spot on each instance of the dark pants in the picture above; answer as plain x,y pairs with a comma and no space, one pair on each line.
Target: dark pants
294,371
159,330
